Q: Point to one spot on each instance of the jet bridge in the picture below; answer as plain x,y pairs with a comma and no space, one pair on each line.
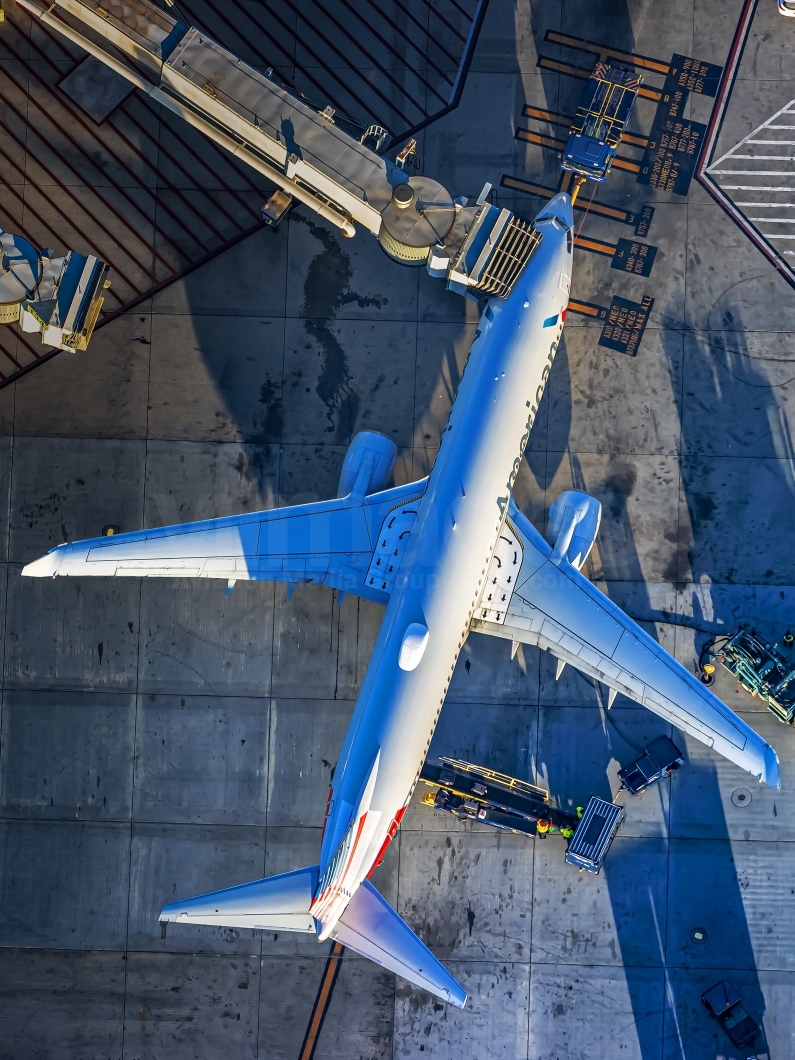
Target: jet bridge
58,297
308,154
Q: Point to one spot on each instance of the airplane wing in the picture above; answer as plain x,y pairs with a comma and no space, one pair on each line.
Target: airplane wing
354,544
532,596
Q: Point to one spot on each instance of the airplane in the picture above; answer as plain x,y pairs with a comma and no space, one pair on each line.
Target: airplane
448,554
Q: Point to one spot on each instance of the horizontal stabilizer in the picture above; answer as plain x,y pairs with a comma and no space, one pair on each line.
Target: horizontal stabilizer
278,903
371,927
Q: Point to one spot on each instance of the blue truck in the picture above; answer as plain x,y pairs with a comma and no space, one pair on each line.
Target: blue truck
600,121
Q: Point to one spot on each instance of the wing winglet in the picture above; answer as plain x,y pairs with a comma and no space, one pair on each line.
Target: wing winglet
45,566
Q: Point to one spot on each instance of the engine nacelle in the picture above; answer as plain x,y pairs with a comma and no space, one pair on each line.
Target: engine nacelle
368,464
573,525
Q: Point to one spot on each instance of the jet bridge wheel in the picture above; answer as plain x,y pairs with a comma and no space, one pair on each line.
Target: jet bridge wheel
414,257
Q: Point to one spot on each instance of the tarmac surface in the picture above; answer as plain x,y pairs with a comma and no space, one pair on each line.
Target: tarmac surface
160,740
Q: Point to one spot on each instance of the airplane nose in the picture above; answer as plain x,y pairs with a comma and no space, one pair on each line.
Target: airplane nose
559,206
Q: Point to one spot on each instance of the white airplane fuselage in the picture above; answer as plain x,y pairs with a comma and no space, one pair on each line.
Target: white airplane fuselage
458,524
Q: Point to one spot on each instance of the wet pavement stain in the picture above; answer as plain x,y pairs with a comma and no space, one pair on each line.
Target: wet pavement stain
702,509
326,290
619,486
269,422
256,469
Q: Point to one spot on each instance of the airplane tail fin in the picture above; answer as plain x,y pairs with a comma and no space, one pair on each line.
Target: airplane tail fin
277,903
371,927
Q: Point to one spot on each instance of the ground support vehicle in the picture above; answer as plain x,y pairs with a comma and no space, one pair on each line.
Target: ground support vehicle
658,761
600,121
476,793
761,667
724,1005
590,843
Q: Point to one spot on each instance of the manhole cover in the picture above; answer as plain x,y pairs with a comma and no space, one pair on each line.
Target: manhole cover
699,936
741,797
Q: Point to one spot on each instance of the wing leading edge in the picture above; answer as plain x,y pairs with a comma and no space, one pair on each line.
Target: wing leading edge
354,544
552,605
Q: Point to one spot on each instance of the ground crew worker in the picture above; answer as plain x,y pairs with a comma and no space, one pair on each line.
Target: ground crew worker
566,832
543,826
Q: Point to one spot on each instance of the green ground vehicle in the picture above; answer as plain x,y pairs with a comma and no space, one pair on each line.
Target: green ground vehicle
761,667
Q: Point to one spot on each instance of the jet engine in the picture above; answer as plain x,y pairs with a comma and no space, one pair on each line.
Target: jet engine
573,525
367,465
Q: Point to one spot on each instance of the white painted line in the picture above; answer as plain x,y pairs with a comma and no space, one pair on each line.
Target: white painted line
712,176
784,110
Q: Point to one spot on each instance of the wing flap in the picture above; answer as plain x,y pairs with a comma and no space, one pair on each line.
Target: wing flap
546,589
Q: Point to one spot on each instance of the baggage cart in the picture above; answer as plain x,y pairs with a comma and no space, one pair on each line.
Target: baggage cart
590,843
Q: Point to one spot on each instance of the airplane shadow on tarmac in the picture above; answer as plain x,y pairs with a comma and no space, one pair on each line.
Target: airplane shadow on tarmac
727,381
731,382
652,920
647,877
663,881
